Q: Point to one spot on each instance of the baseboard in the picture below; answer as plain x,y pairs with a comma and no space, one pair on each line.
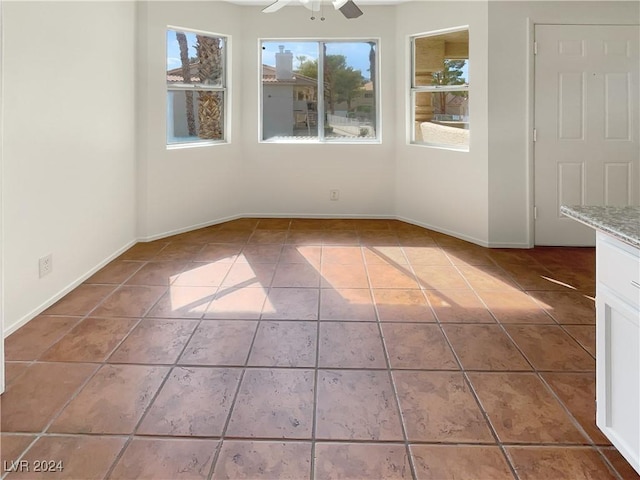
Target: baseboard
347,216
158,236
46,304
509,245
461,236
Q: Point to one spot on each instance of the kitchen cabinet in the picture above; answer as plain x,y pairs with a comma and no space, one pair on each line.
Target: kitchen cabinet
618,345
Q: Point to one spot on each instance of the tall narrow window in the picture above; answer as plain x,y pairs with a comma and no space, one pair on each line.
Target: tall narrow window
440,89
196,87
319,91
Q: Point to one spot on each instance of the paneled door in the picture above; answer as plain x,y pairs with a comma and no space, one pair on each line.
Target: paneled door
586,145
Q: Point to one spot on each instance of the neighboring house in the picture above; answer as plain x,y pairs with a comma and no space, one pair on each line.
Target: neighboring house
289,99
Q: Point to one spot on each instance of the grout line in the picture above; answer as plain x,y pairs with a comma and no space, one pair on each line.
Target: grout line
392,382
156,393
476,398
316,374
232,406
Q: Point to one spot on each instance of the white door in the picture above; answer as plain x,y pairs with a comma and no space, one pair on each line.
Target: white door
587,127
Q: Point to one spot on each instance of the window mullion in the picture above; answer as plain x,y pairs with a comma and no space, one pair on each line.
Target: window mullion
321,112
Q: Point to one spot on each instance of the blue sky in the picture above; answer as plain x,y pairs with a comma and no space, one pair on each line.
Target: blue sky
357,53
173,49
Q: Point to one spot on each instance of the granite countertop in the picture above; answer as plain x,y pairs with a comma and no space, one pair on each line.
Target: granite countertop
622,223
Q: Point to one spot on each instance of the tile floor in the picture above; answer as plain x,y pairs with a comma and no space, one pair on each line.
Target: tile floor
278,348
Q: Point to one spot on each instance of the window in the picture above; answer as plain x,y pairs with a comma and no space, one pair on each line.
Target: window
440,89
196,87
319,91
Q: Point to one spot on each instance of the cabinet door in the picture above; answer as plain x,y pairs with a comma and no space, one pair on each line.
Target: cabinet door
618,373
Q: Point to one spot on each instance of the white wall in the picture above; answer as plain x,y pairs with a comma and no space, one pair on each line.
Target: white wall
69,163
1,215
179,189
295,179
510,162
443,189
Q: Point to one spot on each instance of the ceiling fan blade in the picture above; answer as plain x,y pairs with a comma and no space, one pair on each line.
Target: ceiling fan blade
348,8
277,5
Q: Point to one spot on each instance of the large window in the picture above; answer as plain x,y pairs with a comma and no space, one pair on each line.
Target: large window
319,91
440,89
196,87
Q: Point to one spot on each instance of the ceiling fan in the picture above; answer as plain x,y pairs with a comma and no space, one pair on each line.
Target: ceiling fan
348,8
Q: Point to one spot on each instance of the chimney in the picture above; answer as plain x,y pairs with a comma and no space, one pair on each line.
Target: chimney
284,64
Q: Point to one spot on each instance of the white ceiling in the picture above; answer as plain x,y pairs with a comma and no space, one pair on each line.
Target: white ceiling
359,2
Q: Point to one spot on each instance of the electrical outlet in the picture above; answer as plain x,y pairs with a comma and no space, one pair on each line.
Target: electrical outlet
45,265
334,195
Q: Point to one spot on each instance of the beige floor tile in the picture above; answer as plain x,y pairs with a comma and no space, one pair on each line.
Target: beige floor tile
350,345
458,306
91,340
34,398
469,462
177,459
358,461
523,410
274,403
71,457
220,342
285,344
398,305
155,341
81,301
194,401
347,304
484,347
30,341
356,405
418,346
130,301
548,347
439,407
532,463
112,402
291,304
263,460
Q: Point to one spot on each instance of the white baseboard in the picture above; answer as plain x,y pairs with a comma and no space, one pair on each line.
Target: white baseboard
461,236
158,236
47,303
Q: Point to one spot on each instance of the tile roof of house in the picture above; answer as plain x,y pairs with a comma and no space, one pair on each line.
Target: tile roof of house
268,76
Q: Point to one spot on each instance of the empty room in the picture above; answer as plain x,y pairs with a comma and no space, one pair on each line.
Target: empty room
314,239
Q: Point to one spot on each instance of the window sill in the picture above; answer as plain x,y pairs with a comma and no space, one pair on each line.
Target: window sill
180,146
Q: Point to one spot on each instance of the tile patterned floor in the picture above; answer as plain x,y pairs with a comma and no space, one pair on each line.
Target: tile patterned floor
302,348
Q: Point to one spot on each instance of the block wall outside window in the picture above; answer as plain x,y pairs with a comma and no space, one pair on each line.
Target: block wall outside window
440,89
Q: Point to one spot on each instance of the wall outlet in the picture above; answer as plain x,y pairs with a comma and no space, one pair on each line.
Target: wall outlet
45,265
334,195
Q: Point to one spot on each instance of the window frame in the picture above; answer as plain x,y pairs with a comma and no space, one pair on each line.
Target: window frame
320,139
223,88
416,89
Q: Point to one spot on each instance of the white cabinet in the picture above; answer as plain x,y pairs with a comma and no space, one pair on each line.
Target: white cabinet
618,345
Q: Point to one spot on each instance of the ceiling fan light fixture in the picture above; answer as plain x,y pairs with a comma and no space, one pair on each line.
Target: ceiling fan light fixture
348,8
